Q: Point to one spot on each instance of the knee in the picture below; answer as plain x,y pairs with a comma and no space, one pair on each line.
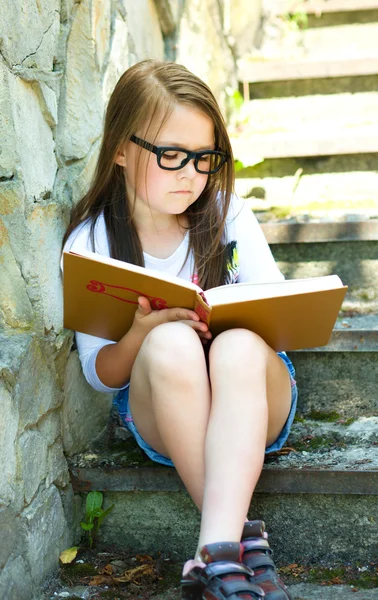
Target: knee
172,348
239,348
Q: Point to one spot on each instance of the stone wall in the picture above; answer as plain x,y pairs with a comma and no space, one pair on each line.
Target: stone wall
59,61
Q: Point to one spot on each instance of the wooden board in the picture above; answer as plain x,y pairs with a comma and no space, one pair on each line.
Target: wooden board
265,71
281,7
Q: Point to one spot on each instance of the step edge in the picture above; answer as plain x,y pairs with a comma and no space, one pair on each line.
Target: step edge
272,480
365,230
273,71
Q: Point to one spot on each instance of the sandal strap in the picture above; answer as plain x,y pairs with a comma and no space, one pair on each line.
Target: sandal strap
257,561
224,568
253,529
222,551
231,588
257,544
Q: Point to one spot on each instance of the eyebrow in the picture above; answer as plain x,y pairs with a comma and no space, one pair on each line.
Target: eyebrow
178,145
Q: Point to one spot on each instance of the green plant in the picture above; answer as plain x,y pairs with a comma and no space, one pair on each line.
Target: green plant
297,20
94,515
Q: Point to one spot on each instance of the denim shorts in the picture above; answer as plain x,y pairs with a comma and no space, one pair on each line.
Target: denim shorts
121,402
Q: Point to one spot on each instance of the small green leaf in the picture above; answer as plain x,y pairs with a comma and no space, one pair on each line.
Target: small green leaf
104,514
95,513
86,526
93,502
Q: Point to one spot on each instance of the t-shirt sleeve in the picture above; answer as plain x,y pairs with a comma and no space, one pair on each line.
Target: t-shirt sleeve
89,345
254,257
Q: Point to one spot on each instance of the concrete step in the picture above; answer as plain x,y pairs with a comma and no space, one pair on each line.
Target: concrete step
348,249
318,194
307,126
304,591
334,490
324,41
255,71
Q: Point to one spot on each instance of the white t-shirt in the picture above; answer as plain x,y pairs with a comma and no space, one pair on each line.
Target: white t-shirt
252,262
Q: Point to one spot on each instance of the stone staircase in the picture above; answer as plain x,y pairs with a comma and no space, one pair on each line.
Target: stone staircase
313,119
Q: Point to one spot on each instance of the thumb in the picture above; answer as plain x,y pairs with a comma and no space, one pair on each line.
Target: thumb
144,306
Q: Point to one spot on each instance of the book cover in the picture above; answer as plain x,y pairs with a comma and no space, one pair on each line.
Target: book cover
101,297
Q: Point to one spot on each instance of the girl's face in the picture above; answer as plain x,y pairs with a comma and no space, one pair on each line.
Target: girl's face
162,192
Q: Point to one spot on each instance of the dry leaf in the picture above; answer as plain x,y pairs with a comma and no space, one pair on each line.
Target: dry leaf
143,558
98,580
68,555
136,573
107,570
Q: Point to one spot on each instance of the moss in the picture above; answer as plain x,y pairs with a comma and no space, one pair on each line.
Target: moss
320,574
299,419
319,443
80,569
347,422
318,415
364,580
169,576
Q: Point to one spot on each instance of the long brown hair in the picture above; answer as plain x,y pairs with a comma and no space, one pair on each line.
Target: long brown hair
146,95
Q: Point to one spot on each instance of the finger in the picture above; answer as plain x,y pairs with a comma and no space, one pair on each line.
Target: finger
144,306
199,326
182,314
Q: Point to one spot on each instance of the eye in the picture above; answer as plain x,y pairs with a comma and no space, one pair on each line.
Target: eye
205,158
170,155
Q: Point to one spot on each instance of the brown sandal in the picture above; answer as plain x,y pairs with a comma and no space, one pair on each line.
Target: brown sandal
223,578
257,556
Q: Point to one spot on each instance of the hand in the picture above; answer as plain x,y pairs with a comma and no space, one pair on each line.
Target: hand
146,319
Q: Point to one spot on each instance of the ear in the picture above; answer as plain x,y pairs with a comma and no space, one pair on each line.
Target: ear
121,158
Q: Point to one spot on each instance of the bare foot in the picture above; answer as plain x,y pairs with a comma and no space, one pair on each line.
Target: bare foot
190,564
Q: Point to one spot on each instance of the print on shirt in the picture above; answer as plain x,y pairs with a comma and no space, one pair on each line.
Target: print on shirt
232,265
232,262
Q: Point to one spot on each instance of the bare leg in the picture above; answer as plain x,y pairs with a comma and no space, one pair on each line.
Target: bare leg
170,401
251,397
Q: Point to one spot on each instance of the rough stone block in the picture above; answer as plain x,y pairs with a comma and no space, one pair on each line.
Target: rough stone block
12,536
119,58
47,225
147,40
100,18
62,349
15,580
33,462
82,107
8,434
204,50
57,471
7,137
85,412
25,374
34,139
50,427
29,32
47,533
16,311
243,21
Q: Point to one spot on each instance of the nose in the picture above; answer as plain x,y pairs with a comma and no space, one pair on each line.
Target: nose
187,170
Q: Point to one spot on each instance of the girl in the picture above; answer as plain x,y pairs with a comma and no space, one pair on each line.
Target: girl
162,198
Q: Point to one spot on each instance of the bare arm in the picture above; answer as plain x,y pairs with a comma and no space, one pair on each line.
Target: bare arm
114,362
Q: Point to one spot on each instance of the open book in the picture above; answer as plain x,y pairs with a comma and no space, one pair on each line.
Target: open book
101,297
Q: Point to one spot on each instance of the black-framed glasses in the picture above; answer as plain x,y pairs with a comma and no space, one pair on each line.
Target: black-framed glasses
172,158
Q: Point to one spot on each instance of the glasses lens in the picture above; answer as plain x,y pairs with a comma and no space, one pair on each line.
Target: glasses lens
172,159
210,163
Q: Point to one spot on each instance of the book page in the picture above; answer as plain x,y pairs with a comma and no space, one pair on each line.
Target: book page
238,292
121,264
